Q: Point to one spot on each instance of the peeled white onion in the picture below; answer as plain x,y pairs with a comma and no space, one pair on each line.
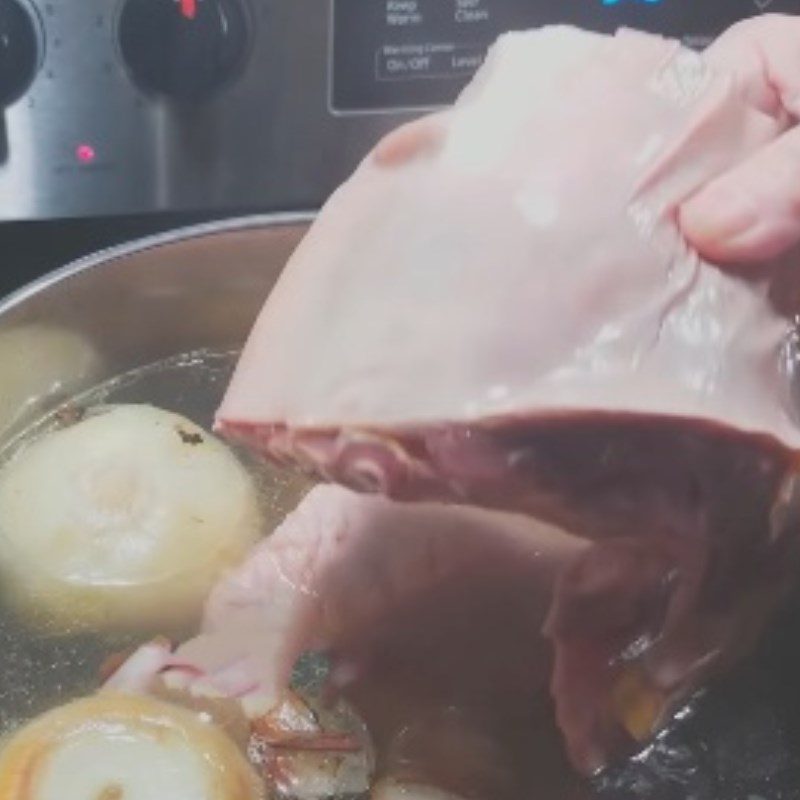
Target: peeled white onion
124,747
123,521
37,362
392,790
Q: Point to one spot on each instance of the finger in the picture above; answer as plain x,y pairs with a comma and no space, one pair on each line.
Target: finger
763,55
752,213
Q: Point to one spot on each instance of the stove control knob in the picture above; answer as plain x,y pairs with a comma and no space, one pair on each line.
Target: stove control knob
20,49
185,50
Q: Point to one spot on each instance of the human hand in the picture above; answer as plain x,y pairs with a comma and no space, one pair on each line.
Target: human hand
752,212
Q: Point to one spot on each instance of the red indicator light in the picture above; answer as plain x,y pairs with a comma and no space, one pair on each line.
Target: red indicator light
189,8
85,153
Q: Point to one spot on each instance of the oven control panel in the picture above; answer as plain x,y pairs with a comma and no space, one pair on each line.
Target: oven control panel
391,54
134,106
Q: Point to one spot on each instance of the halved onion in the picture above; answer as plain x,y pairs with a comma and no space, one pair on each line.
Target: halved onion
123,521
392,790
119,747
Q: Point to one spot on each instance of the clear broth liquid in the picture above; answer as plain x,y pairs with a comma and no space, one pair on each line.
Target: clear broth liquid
40,671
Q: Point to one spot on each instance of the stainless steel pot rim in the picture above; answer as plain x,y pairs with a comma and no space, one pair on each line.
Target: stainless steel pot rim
173,236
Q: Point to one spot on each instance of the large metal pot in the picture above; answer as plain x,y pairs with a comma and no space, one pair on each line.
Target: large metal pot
199,287
128,307
202,287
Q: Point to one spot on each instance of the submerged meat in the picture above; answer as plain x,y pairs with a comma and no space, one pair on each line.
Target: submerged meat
430,617
348,575
499,309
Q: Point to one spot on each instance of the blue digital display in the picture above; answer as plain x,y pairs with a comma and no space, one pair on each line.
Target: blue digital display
639,2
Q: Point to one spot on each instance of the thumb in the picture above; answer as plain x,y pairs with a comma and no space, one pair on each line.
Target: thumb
751,213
